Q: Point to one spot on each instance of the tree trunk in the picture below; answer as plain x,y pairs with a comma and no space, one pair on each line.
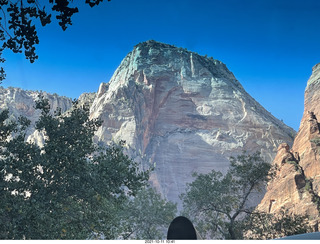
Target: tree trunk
231,230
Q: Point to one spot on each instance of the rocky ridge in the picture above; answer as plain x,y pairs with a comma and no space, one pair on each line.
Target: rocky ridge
297,183
22,103
185,112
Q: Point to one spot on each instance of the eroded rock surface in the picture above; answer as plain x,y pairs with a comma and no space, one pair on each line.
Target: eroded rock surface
182,111
297,183
22,103
185,112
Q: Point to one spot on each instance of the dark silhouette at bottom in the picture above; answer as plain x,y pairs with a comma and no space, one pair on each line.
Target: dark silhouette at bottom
181,228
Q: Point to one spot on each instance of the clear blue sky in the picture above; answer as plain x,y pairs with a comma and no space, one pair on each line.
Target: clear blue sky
269,45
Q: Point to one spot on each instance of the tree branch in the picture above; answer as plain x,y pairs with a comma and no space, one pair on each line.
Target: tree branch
240,209
216,210
4,28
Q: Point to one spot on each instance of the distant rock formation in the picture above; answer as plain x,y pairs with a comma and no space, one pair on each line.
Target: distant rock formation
86,99
297,183
22,102
185,112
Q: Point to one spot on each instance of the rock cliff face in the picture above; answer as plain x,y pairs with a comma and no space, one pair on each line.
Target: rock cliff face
185,112
21,102
297,183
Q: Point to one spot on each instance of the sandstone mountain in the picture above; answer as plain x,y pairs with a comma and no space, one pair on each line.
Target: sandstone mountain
297,183
175,109
185,112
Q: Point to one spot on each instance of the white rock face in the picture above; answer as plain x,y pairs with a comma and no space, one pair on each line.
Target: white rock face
185,112
22,103
182,111
86,99
314,78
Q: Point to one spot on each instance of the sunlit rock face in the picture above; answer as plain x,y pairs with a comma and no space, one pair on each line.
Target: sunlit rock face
185,112
86,99
22,103
297,183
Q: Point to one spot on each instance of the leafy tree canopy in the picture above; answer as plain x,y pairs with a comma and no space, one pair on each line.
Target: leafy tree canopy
217,202
68,189
17,23
264,226
147,216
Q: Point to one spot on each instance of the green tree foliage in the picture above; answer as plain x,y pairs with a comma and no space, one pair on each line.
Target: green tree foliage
148,216
217,203
264,226
69,188
218,206
17,23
